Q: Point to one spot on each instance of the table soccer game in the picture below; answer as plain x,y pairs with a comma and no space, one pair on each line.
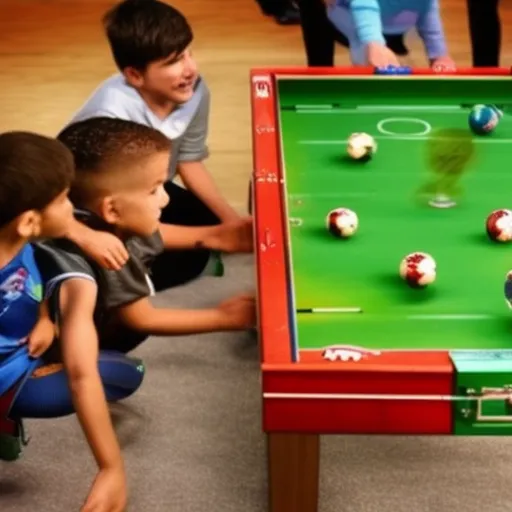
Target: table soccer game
384,226
383,213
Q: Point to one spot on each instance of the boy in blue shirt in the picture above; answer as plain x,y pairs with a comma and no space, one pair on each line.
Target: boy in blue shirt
35,175
368,23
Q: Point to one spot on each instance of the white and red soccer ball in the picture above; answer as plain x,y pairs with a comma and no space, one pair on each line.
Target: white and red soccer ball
361,147
499,225
342,222
418,269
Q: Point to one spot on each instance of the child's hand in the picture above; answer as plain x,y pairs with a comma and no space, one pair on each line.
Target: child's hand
108,492
41,337
380,56
105,249
443,64
233,237
238,313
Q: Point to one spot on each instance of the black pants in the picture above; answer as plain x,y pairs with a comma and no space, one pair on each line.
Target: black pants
319,35
485,31
273,7
173,268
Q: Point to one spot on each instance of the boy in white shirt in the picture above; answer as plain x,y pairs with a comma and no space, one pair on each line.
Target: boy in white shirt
159,86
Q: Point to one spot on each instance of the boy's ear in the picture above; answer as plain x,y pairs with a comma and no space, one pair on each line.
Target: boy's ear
28,224
134,77
108,210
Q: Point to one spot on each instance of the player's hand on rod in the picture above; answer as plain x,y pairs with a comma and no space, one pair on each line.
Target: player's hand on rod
445,63
380,56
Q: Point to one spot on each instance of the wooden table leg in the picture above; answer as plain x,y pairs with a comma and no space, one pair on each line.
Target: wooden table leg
293,472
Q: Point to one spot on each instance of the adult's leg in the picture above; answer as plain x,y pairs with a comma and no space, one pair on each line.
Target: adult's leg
46,393
271,7
485,32
283,11
317,32
173,268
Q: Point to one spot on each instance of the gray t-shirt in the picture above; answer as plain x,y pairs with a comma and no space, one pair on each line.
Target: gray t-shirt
186,126
61,260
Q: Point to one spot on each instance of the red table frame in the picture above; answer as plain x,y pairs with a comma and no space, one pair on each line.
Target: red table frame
390,393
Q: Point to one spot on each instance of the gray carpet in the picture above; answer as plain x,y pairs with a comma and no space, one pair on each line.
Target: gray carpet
193,443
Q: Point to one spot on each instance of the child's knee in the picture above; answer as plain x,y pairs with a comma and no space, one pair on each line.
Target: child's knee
121,375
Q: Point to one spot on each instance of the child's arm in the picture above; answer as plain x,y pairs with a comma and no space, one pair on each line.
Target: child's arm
77,298
43,333
193,150
368,24
237,313
104,248
430,29
230,237
367,19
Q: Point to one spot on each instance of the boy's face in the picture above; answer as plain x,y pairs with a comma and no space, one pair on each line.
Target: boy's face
137,207
172,78
53,221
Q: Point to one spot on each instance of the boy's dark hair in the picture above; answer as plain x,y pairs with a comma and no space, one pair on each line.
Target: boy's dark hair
103,145
34,170
142,31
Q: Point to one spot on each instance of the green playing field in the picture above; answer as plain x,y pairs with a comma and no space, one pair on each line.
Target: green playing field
465,307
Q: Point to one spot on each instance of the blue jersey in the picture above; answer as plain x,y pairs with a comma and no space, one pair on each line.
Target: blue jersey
21,292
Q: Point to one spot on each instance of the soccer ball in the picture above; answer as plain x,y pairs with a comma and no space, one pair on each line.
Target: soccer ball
342,222
361,147
418,269
499,225
483,119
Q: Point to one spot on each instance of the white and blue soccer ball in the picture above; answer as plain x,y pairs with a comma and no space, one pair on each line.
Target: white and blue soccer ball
484,119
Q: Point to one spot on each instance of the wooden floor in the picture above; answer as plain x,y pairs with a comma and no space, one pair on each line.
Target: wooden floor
53,54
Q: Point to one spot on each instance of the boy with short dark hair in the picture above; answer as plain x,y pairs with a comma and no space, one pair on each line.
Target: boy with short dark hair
121,170
159,86
35,175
